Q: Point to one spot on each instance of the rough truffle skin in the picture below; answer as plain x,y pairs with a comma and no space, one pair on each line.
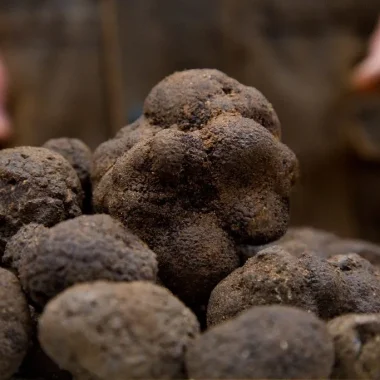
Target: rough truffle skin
322,243
267,342
102,330
79,155
15,324
20,244
36,185
357,346
87,248
343,284
209,167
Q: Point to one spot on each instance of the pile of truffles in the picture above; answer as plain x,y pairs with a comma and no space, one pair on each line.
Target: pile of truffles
166,254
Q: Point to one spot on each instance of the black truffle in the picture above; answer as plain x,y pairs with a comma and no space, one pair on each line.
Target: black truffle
36,185
118,331
86,248
79,155
210,171
15,324
357,346
267,342
343,284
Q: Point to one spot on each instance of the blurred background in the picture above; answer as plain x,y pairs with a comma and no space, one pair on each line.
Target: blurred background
82,68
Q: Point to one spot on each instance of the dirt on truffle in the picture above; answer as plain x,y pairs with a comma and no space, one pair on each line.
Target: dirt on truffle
105,331
15,324
265,342
79,155
343,284
206,170
36,185
86,248
357,346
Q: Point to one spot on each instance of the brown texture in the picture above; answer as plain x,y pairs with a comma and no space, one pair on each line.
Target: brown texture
79,155
357,346
342,284
266,342
117,331
86,248
36,185
213,172
15,324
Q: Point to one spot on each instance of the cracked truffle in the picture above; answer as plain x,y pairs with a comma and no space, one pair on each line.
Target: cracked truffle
357,346
15,324
36,185
210,168
79,155
265,342
86,248
343,284
115,331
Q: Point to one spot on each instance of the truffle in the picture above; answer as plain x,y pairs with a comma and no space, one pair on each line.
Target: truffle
211,172
357,346
20,244
79,155
343,284
15,324
321,243
116,331
265,342
36,185
86,248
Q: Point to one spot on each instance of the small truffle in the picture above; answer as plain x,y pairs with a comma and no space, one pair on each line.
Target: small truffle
15,324
265,342
118,331
20,244
202,169
357,346
322,243
79,155
329,288
86,248
36,185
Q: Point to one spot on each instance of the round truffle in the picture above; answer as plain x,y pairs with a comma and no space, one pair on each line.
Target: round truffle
357,346
15,324
102,330
329,288
36,185
265,342
86,248
20,244
79,155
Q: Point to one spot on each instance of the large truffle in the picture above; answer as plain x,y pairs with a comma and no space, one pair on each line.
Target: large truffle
343,284
357,346
86,248
210,172
36,185
118,331
79,155
15,324
267,342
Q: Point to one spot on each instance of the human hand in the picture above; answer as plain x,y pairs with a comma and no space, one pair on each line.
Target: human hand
366,77
5,125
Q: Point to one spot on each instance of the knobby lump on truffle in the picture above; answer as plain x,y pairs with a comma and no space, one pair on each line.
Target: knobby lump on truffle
118,331
202,169
86,248
36,185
